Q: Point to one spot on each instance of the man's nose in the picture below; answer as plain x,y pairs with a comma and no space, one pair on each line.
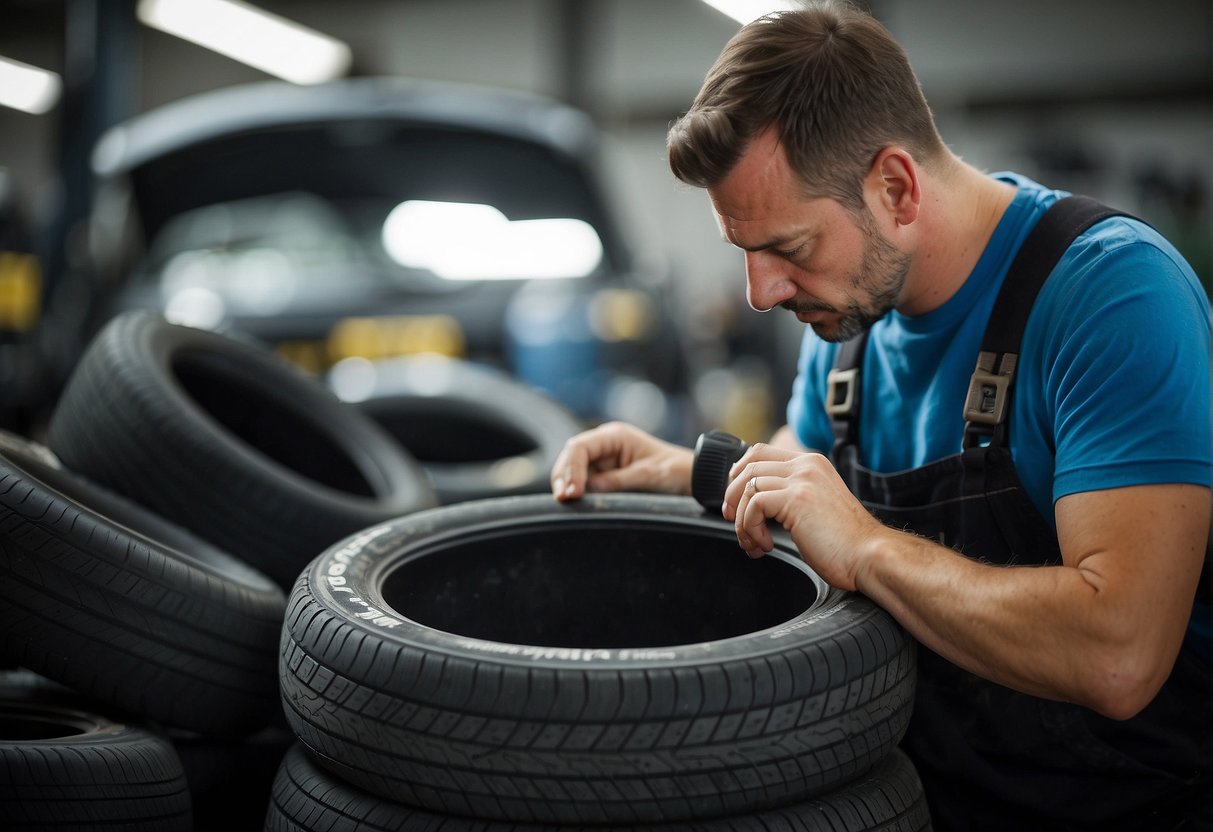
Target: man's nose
767,283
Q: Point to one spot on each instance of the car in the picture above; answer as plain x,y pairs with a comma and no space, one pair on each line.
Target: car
374,217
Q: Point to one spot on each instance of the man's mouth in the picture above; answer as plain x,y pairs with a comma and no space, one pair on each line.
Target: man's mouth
809,312
813,316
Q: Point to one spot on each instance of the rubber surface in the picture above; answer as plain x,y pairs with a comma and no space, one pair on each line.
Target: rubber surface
64,767
224,438
306,798
616,660
103,596
475,431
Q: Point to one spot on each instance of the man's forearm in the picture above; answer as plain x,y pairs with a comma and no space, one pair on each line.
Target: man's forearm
1006,624
785,438
1102,630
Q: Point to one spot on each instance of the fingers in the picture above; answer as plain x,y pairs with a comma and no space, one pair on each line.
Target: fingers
753,509
632,478
748,502
619,457
743,472
756,493
571,470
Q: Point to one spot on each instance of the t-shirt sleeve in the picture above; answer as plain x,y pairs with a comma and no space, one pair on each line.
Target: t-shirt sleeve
1125,367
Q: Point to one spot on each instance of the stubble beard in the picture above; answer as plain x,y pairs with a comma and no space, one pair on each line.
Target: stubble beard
878,283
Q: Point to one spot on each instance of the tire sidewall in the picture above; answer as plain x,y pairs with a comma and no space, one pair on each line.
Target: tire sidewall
347,580
466,389
37,466
393,475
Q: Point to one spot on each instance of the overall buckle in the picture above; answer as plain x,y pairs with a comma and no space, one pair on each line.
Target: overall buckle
840,391
989,388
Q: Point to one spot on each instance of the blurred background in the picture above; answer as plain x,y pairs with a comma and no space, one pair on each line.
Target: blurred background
340,210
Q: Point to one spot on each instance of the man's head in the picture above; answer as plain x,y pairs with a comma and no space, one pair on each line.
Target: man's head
830,80
803,111
834,268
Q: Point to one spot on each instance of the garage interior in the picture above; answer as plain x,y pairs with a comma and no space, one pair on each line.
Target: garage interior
1111,98
1107,98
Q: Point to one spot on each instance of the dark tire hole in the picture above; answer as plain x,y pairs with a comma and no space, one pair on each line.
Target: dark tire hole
617,587
268,423
433,433
25,726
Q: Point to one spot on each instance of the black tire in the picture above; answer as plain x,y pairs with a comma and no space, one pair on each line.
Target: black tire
617,660
476,432
306,798
67,768
226,439
107,598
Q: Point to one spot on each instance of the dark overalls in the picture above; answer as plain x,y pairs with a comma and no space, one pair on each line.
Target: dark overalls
992,758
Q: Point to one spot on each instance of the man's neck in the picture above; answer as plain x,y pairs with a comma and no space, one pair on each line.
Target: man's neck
962,207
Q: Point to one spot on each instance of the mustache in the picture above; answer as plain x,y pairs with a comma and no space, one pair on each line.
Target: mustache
807,306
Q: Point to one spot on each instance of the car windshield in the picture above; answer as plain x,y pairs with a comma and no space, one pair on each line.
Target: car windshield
380,210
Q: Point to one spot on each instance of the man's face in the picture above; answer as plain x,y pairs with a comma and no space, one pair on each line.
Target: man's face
836,272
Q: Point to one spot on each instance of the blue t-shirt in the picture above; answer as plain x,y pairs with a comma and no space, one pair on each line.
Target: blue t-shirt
1112,386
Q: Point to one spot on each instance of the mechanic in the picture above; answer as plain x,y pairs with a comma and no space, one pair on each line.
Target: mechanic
1064,680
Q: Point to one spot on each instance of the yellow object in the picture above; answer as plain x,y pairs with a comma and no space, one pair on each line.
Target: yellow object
20,291
394,335
307,355
748,412
621,315
376,338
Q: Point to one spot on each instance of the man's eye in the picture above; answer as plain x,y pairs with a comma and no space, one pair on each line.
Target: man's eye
789,254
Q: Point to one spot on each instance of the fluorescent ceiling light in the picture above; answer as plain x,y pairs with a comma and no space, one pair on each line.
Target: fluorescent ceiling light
27,88
747,11
247,34
464,241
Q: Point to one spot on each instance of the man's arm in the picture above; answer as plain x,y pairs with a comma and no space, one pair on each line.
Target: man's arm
1102,629
785,438
619,457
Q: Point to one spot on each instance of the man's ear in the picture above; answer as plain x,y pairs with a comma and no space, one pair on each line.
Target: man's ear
892,186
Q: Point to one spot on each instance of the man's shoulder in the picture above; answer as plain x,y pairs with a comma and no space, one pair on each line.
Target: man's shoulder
1123,257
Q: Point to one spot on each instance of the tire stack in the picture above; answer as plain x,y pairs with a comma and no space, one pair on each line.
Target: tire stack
67,767
143,559
515,664
509,663
147,629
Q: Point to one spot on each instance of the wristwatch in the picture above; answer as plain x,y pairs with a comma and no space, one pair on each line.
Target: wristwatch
715,453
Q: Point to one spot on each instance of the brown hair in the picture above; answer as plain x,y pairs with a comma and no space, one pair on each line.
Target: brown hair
833,82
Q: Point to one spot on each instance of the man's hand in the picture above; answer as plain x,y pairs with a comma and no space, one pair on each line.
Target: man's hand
804,494
620,457
1101,629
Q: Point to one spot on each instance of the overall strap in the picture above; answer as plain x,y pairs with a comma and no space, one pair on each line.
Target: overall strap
989,396
987,402
842,393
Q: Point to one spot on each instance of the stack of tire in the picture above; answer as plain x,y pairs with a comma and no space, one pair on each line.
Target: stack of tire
146,629
144,554
516,664
508,663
